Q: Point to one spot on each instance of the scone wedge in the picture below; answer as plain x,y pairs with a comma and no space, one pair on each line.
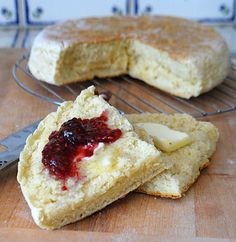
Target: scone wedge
113,170
184,163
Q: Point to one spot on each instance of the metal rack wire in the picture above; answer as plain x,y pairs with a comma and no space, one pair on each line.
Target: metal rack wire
131,95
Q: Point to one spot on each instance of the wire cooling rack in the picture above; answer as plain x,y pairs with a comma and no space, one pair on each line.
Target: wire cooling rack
131,95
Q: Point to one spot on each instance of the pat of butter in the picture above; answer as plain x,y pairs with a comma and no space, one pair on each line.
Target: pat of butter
165,138
100,162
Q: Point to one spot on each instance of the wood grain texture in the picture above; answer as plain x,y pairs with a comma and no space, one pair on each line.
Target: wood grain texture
206,213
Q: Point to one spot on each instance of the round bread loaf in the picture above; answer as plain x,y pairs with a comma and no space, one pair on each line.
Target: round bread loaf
176,55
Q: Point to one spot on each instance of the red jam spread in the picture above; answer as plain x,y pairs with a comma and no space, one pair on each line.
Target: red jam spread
75,140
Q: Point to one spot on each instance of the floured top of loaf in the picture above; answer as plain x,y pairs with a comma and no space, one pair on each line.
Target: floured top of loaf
179,37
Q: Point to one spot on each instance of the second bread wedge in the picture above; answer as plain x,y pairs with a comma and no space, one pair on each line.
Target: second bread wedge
185,163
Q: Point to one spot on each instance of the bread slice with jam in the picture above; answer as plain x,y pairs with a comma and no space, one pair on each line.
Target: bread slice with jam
81,158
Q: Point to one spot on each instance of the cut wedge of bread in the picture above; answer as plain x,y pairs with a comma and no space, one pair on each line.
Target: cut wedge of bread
109,174
185,163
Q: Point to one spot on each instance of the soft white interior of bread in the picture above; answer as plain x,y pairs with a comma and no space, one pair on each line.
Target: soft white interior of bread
185,163
84,61
158,69
129,163
59,64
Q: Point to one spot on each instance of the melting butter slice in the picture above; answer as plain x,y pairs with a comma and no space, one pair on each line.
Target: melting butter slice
100,163
165,138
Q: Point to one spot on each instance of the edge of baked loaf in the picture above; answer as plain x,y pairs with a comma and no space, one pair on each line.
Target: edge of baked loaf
186,75
184,167
62,64
125,186
43,193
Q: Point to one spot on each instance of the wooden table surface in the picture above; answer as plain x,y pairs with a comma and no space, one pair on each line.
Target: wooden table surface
207,212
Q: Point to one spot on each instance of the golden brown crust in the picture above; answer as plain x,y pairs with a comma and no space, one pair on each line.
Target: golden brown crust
176,55
205,165
172,196
179,37
158,194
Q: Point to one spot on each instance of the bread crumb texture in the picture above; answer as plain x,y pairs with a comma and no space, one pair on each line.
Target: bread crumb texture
176,55
185,163
112,172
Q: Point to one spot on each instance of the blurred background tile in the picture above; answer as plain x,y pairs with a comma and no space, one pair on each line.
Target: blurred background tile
8,38
43,12
9,13
211,11
21,20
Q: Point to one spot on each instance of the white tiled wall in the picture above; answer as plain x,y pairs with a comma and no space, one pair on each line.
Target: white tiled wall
9,13
34,14
43,12
202,10
8,37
